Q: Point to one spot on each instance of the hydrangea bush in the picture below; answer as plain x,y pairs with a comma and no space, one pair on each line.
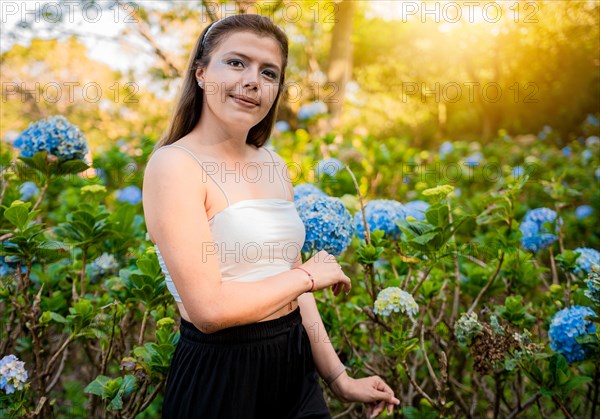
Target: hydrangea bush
587,259
535,234
327,222
13,375
381,215
566,326
329,166
393,299
304,189
445,295
131,194
54,134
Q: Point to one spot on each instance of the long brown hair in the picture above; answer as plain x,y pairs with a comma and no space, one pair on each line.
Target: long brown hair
189,104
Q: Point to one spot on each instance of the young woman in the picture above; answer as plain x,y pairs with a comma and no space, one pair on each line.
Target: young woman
228,237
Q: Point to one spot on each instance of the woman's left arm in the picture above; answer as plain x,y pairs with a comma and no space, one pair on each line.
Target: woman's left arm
370,390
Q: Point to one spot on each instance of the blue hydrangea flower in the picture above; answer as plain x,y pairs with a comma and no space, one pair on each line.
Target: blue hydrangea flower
518,171
535,236
28,190
445,148
9,264
54,134
5,268
329,166
305,189
583,211
416,209
587,155
394,299
103,265
13,374
592,120
566,151
566,325
328,224
587,258
312,109
131,194
380,214
597,173
593,283
282,126
474,159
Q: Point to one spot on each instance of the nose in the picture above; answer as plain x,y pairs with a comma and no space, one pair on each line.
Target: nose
250,79
250,84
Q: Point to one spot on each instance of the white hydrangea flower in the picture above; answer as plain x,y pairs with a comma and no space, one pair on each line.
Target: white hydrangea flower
13,374
394,299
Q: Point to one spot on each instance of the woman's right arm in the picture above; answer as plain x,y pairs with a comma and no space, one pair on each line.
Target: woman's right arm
174,193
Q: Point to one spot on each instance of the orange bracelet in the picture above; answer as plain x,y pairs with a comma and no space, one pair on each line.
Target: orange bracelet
309,277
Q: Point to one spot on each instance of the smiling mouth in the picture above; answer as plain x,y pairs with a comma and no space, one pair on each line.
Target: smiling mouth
243,101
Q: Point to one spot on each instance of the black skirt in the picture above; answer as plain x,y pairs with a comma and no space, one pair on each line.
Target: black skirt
260,370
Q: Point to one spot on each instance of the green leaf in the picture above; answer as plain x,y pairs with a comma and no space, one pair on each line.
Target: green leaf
437,215
71,166
574,383
98,386
18,214
57,317
425,238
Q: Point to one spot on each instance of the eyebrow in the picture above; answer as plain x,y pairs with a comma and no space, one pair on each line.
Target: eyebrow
249,59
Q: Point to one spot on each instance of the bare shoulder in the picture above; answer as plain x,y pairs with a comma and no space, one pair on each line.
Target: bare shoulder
173,184
173,164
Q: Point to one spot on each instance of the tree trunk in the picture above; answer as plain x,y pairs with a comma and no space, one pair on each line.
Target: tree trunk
340,57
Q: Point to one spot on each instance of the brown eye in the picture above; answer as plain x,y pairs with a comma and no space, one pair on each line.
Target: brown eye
234,61
271,74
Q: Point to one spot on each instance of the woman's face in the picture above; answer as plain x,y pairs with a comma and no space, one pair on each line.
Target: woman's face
242,79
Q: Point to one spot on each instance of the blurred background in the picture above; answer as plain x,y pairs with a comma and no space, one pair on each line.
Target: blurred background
421,70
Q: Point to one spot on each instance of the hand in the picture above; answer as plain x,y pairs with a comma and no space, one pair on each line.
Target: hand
372,391
327,272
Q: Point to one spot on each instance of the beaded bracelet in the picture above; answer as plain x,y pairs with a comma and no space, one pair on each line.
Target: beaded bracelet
309,277
334,376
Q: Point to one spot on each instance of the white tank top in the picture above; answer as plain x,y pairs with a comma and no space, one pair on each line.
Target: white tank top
253,238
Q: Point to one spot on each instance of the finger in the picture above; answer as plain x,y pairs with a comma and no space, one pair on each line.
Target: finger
383,387
378,409
388,390
381,391
347,284
336,288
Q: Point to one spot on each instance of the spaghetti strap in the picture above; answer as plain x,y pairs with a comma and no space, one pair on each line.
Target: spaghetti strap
285,191
203,168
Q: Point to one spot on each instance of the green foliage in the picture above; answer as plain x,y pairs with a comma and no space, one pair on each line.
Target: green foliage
48,167
516,312
370,253
147,284
112,390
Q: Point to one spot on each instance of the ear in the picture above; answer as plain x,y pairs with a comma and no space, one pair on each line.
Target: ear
199,74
